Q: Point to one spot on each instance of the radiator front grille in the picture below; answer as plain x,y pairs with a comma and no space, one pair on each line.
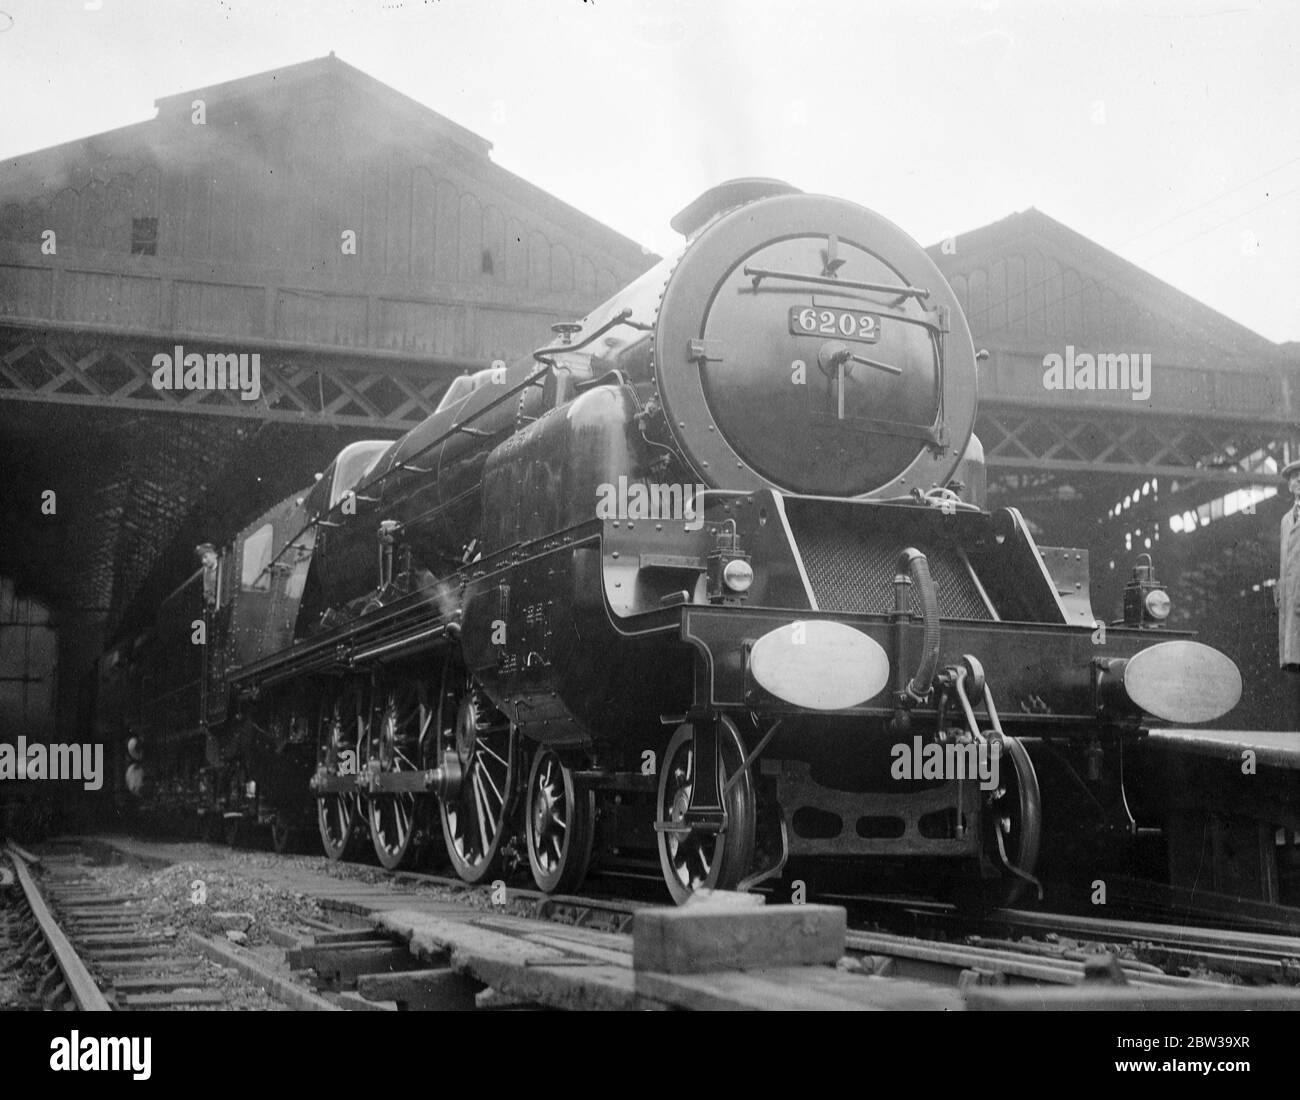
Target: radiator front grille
855,575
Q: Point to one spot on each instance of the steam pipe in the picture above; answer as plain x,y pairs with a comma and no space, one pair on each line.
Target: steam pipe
917,568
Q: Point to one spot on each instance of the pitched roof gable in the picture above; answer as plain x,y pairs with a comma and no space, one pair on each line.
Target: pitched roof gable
1033,230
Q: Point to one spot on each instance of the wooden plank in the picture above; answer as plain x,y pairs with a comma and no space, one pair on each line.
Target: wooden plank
698,939
573,937
589,951
421,990
803,988
89,926
313,955
171,963
115,939
430,938
173,1000
493,1000
515,966
155,983
103,954
587,987
340,966
354,1002
282,937
350,935
96,900
254,969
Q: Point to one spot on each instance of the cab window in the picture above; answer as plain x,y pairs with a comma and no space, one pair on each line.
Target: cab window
255,576
354,462
463,386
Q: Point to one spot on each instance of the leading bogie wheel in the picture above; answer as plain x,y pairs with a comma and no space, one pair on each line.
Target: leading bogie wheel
693,860
1013,816
560,818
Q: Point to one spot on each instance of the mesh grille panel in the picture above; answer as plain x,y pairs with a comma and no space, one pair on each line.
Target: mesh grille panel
855,575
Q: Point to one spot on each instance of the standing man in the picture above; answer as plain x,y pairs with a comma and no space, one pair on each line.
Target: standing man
1288,595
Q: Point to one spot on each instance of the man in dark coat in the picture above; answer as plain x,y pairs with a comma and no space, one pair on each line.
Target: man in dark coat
1288,594
1288,577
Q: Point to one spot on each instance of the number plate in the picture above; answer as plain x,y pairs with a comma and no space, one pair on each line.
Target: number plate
842,324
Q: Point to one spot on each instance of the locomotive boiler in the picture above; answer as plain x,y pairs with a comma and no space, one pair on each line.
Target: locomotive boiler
705,584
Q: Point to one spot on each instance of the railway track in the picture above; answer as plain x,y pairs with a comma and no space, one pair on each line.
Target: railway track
356,959
1215,953
1172,957
1146,955
91,949
61,979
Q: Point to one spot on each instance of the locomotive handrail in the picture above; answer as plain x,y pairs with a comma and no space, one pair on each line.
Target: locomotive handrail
758,274
457,427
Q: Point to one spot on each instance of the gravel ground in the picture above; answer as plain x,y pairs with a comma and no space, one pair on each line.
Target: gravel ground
187,898
12,993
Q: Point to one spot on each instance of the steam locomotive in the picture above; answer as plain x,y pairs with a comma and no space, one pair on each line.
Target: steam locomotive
689,589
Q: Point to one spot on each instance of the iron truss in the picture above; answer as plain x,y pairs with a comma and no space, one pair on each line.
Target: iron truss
393,392
1177,445
361,388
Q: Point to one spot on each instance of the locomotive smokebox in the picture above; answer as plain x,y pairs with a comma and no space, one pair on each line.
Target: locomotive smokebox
806,344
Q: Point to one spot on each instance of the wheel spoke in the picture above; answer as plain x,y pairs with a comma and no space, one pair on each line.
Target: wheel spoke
480,798
487,775
485,747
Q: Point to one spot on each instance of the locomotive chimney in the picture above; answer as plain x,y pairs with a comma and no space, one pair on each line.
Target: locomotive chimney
723,197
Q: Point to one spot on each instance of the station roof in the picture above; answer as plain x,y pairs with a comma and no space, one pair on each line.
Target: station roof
1231,344
283,91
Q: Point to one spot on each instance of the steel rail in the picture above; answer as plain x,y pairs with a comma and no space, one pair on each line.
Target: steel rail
85,992
1180,935
1010,960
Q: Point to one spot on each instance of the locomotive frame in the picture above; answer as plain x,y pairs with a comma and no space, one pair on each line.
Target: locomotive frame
448,637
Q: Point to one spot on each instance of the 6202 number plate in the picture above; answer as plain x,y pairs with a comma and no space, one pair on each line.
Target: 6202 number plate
847,324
